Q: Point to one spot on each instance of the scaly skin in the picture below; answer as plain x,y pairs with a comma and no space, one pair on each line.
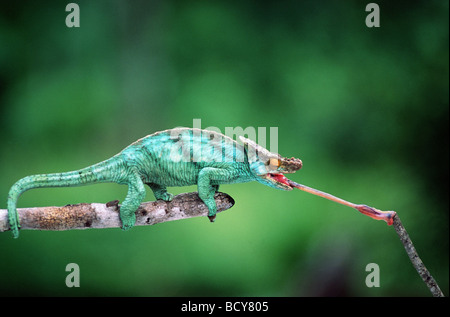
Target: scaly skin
176,157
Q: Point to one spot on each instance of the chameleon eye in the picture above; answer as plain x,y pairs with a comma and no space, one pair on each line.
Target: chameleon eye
274,162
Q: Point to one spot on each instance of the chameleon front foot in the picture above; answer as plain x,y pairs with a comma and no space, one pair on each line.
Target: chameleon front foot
212,218
128,222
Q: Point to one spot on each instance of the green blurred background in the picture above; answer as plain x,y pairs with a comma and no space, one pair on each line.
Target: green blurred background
366,109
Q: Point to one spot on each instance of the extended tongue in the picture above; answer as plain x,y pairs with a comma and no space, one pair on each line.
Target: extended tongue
374,213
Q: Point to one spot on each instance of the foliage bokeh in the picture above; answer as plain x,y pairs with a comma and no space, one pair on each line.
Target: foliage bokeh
366,109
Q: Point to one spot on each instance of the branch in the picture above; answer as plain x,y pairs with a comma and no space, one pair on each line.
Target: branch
415,259
96,215
390,217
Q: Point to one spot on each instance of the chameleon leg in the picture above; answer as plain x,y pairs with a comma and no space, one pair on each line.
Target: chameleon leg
136,194
160,192
206,190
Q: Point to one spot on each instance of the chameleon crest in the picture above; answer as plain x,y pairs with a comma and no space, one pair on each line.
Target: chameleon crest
269,168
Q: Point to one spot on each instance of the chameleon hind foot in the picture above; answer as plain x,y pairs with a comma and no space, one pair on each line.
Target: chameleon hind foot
135,195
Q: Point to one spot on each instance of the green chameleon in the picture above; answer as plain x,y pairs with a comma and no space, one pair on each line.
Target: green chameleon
175,157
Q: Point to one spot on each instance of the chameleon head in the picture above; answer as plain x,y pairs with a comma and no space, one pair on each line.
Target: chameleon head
269,168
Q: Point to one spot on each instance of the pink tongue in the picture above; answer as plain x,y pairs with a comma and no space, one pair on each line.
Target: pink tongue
374,213
280,178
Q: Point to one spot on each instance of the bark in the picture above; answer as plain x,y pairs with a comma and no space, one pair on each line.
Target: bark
415,259
97,215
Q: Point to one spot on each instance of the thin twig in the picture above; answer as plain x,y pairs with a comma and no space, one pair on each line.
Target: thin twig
96,215
415,259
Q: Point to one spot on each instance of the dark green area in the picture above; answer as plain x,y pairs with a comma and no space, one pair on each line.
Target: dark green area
366,109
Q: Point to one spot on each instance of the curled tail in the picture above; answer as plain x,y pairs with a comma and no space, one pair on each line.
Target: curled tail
93,174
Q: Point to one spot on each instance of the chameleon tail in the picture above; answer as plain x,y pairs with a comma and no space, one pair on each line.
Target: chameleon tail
93,174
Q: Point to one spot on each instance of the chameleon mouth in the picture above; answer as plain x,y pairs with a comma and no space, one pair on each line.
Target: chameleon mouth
280,179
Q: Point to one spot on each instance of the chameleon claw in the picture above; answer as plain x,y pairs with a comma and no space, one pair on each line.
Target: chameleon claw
212,218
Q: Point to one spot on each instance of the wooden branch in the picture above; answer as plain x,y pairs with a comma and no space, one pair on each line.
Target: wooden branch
96,215
415,259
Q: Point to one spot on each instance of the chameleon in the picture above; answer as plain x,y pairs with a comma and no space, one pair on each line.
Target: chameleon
169,158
